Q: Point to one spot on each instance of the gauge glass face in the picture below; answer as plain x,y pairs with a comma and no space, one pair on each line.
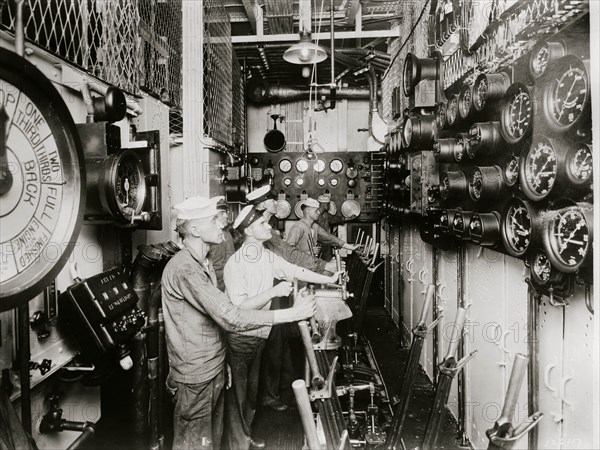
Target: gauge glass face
540,168
299,181
540,60
476,227
336,165
444,186
571,235
334,181
511,171
287,181
452,110
440,115
476,184
444,221
321,182
319,166
458,223
580,165
407,132
285,165
518,228
460,147
302,165
519,113
128,184
465,103
568,95
480,93
541,267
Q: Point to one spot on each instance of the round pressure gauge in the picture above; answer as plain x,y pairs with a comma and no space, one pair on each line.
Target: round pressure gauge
460,224
452,111
285,165
516,117
321,182
302,165
539,169
283,209
440,115
484,139
484,228
287,181
123,184
419,132
42,181
461,147
334,181
300,181
447,218
351,170
578,164
542,272
336,165
486,183
407,131
566,96
569,238
520,227
542,54
319,166
453,185
511,171
465,102
489,88
443,150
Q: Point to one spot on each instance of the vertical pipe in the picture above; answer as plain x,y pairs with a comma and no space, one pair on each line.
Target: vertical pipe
306,416
332,43
20,35
434,314
533,373
462,378
23,324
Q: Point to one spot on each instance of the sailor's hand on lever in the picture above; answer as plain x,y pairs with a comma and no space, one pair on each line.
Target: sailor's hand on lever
282,289
304,305
336,277
351,247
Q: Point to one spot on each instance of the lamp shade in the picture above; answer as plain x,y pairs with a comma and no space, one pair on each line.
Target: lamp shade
305,52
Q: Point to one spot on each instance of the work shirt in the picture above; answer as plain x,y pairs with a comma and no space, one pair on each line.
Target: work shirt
195,314
219,254
293,255
249,272
305,237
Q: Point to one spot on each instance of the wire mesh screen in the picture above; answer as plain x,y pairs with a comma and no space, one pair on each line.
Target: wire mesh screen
238,104
218,83
132,44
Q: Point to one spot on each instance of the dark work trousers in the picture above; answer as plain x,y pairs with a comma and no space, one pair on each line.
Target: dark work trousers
198,415
277,369
244,353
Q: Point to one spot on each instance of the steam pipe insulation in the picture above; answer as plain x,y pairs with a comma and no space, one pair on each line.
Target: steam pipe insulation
258,92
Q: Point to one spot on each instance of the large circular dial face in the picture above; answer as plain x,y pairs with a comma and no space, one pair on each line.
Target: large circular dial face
285,165
517,229
579,164
480,89
541,267
336,165
511,171
567,94
516,118
539,60
302,165
569,239
407,132
440,115
539,168
319,166
452,110
42,181
465,103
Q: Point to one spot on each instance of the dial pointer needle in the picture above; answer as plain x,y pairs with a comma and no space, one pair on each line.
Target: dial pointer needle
6,178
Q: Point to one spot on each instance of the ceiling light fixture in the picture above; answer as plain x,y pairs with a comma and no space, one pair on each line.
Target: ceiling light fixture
305,52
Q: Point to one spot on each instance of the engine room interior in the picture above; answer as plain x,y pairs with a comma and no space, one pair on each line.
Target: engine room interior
299,224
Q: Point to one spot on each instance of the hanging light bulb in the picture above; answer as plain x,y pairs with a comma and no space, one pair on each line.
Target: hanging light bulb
305,51
306,71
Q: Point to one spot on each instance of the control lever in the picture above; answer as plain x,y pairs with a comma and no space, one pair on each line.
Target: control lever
315,335
40,324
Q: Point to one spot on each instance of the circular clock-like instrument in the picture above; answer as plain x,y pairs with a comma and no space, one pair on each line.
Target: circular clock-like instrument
484,228
486,183
440,115
542,54
520,227
542,272
287,181
319,166
578,165
443,150
485,140
489,88
516,117
566,95
460,224
283,209
511,171
336,165
453,185
419,132
42,181
569,237
285,165
465,102
452,116
462,146
302,165
539,168
334,181
446,219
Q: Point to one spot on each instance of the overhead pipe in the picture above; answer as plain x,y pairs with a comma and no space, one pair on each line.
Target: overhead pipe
258,92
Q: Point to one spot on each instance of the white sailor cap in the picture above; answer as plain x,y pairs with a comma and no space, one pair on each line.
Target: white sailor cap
247,216
197,208
259,195
324,198
311,202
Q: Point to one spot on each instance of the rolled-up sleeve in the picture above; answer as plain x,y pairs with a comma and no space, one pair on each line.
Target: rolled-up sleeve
283,270
294,255
235,286
206,297
328,238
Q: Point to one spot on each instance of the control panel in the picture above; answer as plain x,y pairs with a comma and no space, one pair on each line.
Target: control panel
102,315
354,180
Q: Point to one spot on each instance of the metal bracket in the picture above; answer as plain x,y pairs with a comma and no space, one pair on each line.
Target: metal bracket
518,433
326,391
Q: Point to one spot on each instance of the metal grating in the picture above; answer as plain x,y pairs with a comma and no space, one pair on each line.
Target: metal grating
239,105
132,44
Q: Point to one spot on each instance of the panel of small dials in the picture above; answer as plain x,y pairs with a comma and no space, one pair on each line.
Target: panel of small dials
354,181
512,160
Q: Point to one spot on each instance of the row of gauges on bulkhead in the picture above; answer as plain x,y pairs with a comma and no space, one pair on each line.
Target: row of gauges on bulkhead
319,166
563,230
